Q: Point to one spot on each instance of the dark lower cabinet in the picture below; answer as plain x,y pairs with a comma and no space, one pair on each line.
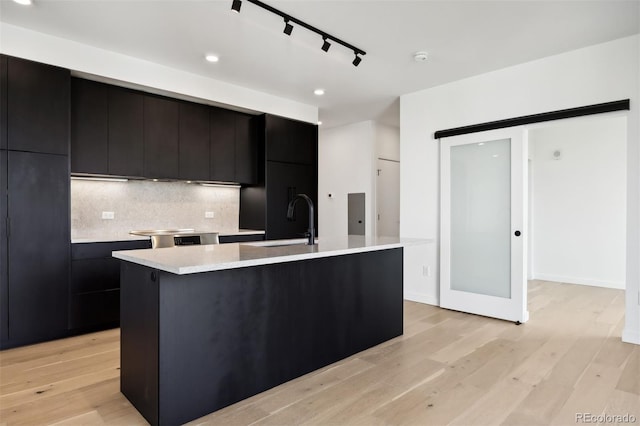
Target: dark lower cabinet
94,288
38,247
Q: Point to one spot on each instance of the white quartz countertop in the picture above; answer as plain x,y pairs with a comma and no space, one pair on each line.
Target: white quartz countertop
129,237
215,257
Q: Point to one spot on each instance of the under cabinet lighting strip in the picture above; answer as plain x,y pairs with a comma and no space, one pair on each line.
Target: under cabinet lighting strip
101,179
221,185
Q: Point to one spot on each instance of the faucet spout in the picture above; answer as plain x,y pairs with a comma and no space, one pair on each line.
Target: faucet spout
311,232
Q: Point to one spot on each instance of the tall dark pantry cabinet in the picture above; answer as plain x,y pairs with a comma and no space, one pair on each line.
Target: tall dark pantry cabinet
287,165
34,199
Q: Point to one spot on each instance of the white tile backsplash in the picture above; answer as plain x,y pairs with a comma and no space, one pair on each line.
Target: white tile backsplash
150,205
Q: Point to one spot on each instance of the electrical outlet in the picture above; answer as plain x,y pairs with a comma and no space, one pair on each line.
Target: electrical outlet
209,215
108,215
426,270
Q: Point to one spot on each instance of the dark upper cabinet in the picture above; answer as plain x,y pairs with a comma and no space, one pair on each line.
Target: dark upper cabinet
161,134
246,158
89,127
126,149
194,141
3,102
122,132
290,141
38,246
37,107
223,145
284,181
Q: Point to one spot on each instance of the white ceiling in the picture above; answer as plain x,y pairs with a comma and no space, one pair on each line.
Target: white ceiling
463,38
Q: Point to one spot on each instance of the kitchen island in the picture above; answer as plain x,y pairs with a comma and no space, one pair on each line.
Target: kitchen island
203,327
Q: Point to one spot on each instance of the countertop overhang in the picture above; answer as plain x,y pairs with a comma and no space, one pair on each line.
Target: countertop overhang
216,257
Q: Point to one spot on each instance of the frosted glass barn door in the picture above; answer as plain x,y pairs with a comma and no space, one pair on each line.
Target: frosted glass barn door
483,214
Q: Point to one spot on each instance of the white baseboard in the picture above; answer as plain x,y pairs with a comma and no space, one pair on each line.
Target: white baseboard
422,298
631,336
582,281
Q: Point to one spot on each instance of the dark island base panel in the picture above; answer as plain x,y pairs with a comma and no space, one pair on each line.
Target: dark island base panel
192,344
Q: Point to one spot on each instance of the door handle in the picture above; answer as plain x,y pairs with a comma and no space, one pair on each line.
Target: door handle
517,233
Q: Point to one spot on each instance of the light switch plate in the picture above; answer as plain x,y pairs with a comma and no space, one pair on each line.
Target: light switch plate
108,215
209,215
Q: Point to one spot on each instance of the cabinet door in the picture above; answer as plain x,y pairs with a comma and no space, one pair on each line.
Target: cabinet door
89,127
39,245
223,141
194,141
3,102
125,132
4,289
92,311
161,128
246,151
284,181
37,107
290,141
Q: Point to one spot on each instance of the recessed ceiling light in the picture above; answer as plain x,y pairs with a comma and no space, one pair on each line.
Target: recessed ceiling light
212,58
23,2
318,92
319,123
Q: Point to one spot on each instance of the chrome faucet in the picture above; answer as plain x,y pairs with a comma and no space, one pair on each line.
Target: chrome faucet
311,232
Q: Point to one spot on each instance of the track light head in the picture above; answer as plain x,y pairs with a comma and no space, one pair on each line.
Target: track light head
357,60
326,45
236,5
287,27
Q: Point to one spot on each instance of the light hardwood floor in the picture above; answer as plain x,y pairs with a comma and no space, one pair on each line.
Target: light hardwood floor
447,368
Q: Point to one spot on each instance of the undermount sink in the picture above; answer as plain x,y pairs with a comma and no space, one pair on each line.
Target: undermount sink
286,245
278,243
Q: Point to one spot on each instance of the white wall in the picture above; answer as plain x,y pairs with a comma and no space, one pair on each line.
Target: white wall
592,75
579,201
387,142
346,164
24,43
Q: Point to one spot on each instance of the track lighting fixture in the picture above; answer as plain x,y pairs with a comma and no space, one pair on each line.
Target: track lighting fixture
326,45
288,28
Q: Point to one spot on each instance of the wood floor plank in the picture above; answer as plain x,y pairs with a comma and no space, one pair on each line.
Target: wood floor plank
447,368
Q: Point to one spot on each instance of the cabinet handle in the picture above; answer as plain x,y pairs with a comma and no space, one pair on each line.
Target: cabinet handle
154,276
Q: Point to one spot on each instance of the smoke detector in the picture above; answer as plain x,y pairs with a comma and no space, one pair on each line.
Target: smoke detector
420,56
